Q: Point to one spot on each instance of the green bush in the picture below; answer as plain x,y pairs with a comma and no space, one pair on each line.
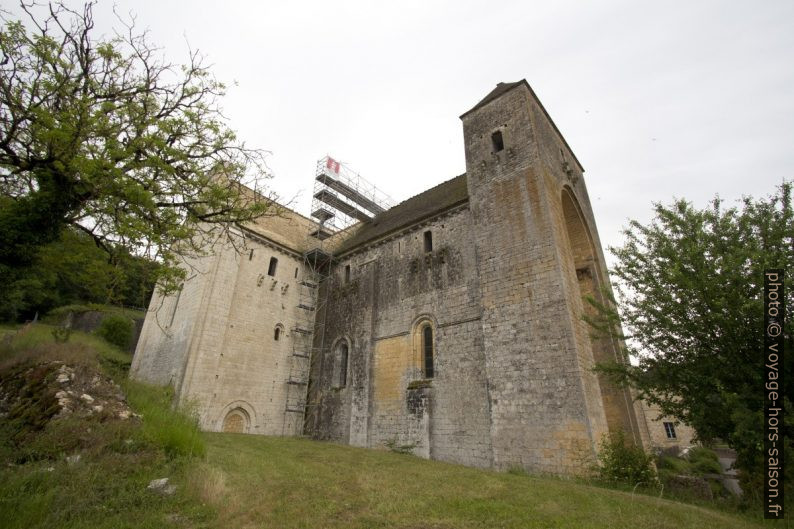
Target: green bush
674,464
116,330
701,453
622,462
706,466
704,461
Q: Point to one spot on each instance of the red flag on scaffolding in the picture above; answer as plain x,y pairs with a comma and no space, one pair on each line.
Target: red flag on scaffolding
332,164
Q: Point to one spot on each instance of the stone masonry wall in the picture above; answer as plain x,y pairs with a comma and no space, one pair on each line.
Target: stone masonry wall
502,290
545,413
226,329
165,339
583,260
684,435
395,285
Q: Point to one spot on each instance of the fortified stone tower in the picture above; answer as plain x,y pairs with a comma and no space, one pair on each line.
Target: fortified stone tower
538,253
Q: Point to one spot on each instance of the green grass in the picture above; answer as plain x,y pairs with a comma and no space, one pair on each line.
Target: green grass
164,426
239,481
55,316
36,343
106,488
278,482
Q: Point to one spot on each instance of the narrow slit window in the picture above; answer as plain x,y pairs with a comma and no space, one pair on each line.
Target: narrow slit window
342,381
176,303
427,348
277,333
271,268
347,274
428,241
296,272
497,141
251,254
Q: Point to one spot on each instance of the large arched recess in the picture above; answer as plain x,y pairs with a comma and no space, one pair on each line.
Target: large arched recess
590,279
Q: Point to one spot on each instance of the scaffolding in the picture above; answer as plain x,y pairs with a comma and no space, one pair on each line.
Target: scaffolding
340,199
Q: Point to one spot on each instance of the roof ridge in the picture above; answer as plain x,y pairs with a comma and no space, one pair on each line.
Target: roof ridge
429,189
408,212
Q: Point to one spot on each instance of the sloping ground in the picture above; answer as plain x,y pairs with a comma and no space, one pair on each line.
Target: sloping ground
80,444
272,482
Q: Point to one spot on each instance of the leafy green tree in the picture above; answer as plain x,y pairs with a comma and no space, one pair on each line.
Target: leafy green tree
102,135
690,292
73,270
117,330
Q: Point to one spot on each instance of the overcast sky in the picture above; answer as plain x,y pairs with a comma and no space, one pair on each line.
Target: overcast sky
657,99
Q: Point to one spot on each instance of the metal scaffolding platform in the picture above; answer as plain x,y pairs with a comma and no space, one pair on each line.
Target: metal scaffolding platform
341,198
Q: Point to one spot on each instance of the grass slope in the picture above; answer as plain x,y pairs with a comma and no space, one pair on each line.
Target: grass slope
41,483
286,483
238,481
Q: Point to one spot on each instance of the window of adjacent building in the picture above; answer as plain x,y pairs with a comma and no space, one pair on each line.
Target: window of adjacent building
669,429
497,141
427,350
271,268
341,356
347,274
428,241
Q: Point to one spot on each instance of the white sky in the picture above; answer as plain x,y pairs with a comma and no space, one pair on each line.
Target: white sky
657,99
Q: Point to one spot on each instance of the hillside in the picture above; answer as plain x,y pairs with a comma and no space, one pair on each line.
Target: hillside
275,482
239,481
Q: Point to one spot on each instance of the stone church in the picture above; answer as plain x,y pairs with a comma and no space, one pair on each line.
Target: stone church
450,324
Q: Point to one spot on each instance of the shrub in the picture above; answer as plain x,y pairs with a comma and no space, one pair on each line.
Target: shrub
622,462
698,453
707,466
704,461
116,330
396,447
674,464
61,334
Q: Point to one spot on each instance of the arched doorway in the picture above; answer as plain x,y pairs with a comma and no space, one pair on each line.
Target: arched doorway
236,421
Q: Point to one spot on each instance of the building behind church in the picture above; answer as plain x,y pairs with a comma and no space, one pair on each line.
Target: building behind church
451,324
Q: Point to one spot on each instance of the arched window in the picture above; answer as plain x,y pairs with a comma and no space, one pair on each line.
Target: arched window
341,361
279,330
271,268
427,351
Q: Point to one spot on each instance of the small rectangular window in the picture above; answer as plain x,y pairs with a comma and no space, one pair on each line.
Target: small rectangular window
347,274
271,268
669,429
428,241
296,273
497,141
251,254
